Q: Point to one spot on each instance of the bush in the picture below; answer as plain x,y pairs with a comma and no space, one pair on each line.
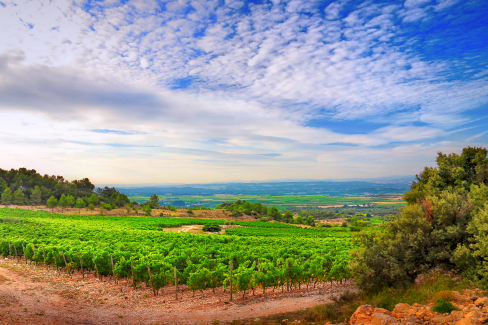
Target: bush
107,206
212,228
229,223
443,306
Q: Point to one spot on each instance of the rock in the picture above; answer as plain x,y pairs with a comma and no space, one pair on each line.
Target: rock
382,311
475,298
481,302
423,313
362,315
383,319
438,318
404,311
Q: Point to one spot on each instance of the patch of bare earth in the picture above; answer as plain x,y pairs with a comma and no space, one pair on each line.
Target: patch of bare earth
31,294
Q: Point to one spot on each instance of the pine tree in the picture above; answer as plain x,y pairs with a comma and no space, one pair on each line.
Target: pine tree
3,185
93,199
36,195
19,197
52,203
63,202
80,204
70,200
7,196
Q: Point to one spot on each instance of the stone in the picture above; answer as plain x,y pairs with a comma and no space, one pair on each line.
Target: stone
362,315
438,319
481,302
383,319
404,310
382,311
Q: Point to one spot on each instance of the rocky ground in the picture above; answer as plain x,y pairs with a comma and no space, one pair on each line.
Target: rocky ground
472,309
34,294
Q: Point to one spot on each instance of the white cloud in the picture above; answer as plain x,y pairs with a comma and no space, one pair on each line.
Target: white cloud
256,80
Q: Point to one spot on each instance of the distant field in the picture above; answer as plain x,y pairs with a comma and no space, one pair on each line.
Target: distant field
281,202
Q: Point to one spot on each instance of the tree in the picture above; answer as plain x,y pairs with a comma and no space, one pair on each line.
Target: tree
273,213
7,196
70,200
19,197
63,202
147,210
36,195
52,203
154,201
80,204
3,185
91,206
288,217
437,228
93,199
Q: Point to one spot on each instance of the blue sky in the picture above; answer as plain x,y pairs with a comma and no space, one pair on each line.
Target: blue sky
203,91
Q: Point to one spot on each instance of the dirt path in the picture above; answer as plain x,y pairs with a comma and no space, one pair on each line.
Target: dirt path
34,295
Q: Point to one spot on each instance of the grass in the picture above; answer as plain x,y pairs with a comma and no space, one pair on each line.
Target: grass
435,286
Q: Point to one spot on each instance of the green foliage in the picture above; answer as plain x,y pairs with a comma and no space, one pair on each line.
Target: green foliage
93,200
80,204
147,210
3,185
39,188
263,254
18,197
288,217
442,225
212,228
7,196
70,199
36,196
442,306
274,214
63,202
241,207
154,201
52,202
91,206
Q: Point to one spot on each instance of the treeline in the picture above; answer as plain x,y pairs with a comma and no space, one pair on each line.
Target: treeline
28,187
263,213
443,225
382,212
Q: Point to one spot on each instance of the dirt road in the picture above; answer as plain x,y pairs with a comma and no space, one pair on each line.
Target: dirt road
32,294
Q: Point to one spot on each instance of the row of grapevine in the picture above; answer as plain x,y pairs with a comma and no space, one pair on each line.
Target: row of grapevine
134,249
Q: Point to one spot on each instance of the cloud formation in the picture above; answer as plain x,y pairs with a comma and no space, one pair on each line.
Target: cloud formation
233,88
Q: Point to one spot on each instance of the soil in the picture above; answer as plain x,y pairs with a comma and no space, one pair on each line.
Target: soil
31,294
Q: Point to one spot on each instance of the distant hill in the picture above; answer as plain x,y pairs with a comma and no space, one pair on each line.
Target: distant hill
333,188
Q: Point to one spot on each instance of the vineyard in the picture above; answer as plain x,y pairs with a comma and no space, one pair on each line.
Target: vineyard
254,255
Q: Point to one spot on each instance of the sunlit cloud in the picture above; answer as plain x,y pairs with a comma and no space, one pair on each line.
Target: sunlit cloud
207,91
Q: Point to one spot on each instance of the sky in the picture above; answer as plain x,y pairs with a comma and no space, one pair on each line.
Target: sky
127,92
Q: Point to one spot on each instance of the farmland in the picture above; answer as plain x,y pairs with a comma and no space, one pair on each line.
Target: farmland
262,255
281,202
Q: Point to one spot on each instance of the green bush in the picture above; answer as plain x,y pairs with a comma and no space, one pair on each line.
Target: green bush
443,306
212,228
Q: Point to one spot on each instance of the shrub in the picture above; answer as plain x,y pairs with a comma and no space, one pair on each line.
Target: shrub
212,228
443,306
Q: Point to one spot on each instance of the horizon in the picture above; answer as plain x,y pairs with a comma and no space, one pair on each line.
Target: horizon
200,92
